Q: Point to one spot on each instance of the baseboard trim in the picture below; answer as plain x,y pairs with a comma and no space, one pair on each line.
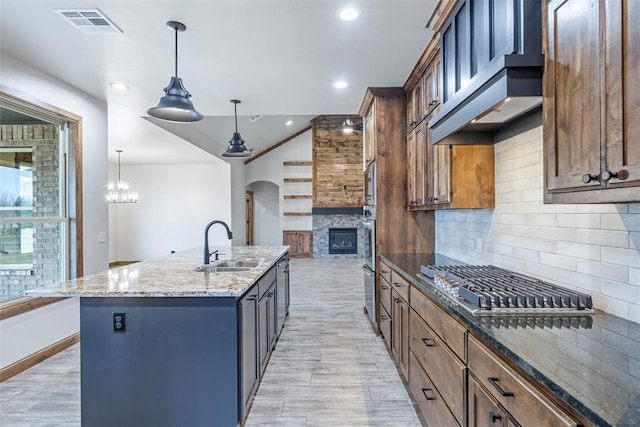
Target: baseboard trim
37,357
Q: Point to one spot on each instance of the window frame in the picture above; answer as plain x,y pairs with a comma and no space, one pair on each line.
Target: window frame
31,105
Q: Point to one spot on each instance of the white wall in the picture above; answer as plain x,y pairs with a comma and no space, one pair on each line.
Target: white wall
22,335
594,248
266,213
270,168
176,203
238,203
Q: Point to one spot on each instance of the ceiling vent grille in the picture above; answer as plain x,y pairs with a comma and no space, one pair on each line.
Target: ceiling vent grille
90,21
255,118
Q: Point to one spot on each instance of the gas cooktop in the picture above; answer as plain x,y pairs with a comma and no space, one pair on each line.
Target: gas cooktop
491,290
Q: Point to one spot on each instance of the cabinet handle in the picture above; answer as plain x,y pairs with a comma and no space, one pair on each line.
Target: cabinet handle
385,271
433,102
493,417
426,396
428,342
397,284
587,178
607,175
383,317
384,287
503,392
252,298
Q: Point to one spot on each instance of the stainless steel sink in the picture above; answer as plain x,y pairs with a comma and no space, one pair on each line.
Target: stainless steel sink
228,266
236,264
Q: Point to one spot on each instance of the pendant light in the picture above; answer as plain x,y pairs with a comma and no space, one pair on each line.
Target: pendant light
236,146
118,192
175,105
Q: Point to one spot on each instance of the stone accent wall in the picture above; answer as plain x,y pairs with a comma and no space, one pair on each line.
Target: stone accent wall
592,248
337,163
321,225
43,138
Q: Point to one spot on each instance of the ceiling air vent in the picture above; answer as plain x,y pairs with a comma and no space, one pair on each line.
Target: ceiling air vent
90,21
255,118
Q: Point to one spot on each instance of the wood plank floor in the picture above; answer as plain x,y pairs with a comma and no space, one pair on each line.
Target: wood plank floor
329,368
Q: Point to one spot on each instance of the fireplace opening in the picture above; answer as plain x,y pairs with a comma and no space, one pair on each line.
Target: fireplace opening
343,240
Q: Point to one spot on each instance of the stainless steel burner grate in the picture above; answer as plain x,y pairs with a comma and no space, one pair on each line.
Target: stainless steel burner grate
493,289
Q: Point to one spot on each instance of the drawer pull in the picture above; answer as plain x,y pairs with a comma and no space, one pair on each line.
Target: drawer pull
493,417
397,284
494,382
384,287
426,396
385,271
428,342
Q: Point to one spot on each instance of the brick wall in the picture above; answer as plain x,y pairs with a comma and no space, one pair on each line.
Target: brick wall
43,139
594,248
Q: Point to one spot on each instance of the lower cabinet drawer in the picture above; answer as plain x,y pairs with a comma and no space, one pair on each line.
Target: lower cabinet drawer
385,325
527,405
430,403
385,294
448,329
400,285
443,367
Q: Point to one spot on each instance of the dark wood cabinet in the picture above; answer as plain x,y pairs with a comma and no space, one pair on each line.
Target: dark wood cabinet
417,177
592,59
299,242
484,411
397,229
249,350
519,398
442,176
400,331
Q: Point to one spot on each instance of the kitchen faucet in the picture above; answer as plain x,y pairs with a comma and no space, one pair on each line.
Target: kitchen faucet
207,255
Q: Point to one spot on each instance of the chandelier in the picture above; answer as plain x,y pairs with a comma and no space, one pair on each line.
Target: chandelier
118,192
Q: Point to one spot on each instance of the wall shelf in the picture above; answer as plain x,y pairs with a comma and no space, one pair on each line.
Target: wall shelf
298,180
298,196
299,163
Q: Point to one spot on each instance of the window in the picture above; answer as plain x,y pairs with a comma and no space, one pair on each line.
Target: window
34,223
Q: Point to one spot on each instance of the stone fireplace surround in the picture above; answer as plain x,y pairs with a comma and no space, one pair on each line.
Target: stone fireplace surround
325,218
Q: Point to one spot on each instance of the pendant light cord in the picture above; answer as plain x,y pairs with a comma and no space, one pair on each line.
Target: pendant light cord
176,31
119,151
235,114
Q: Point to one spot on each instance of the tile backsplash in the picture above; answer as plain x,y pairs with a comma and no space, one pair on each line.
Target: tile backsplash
594,248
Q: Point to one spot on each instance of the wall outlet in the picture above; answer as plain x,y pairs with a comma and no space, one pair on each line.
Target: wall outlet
119,323
478,245
102,236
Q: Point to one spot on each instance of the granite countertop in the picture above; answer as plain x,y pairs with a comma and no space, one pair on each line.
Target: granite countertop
592,362
171,276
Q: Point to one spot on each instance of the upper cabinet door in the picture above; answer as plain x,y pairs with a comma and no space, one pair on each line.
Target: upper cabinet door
592,101
572,101
622,71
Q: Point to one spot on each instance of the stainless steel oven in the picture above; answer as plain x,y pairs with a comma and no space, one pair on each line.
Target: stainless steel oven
369,227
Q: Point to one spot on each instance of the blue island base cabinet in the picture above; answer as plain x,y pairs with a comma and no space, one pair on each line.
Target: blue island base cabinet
175,363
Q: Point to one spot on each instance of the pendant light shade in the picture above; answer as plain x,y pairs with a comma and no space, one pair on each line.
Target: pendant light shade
175,106
236,146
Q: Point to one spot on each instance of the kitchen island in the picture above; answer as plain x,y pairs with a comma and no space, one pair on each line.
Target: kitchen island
165,345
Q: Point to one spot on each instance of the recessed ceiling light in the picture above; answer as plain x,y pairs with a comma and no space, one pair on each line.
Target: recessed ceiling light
289,123
340,84
348,13
119,86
